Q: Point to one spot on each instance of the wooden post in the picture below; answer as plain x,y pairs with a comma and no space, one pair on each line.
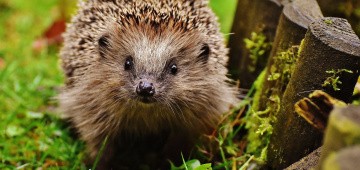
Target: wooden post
316,108
330,61
259,16
343,131
293,24
308,162
347,158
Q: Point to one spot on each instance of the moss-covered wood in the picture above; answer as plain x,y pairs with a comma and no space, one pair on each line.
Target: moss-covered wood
316,108
292,27
342,131
330,50
347,158
252,16
295,18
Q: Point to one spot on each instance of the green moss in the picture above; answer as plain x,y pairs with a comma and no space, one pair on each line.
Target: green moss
259,123
328,21
260,128
301,47
334,80
349,128
258,47
258,86
331,163
283,67
356,95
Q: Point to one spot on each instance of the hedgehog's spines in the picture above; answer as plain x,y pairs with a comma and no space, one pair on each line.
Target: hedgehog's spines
99,97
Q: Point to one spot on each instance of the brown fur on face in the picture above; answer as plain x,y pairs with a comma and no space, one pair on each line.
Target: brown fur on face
100,98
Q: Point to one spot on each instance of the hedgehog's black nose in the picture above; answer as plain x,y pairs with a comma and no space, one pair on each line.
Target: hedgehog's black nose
145,89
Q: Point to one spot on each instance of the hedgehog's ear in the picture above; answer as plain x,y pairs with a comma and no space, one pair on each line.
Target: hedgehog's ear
205,52
104,45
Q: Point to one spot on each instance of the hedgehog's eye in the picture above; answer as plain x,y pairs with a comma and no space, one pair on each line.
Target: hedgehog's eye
173,69
128,64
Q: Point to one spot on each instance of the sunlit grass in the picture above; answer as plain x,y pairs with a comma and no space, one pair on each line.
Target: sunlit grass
31,136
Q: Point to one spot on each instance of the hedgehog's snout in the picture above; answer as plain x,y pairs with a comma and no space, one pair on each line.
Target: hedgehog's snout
145,89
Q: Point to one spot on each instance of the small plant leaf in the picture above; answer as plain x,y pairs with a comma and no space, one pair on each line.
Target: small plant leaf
34,115
13,130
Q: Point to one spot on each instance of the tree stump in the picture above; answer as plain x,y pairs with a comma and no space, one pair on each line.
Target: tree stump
343,131
259,16
293,24
330,55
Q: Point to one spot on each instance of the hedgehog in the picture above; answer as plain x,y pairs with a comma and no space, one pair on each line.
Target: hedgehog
148,73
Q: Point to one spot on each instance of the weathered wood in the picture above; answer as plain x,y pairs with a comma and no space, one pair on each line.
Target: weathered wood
293,24
330,53
345,159
343,131
343,9
307,162
316,108
260,16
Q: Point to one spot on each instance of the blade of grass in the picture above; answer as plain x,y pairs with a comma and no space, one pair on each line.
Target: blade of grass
184,162
98,156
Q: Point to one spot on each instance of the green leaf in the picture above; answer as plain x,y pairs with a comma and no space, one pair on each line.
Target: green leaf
204,167
193,164
274,76
13,130
34,115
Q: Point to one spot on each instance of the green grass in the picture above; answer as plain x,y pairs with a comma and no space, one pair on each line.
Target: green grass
225,10
31,136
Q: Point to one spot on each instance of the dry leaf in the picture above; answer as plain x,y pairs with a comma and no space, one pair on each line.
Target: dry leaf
52,35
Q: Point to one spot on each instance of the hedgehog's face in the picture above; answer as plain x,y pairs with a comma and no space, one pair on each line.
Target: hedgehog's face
154,67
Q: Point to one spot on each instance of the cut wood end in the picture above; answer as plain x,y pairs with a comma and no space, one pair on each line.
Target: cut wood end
303,12
279,2
336,33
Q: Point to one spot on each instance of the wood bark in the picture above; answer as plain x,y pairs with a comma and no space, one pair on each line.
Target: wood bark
343,131
329,44
251,16
293,24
